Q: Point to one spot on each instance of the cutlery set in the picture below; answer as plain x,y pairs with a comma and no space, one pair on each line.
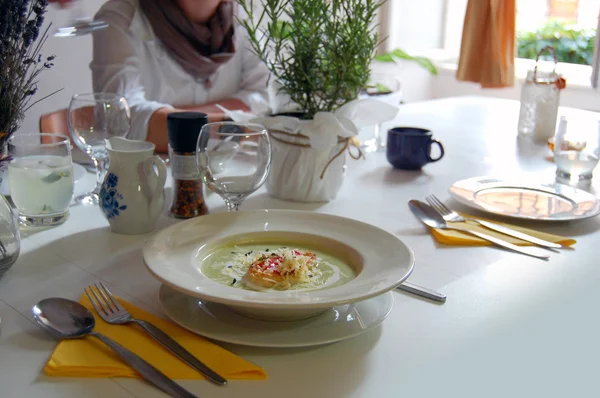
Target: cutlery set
67,319
436,214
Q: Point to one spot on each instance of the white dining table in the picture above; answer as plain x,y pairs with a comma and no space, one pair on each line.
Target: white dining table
512,325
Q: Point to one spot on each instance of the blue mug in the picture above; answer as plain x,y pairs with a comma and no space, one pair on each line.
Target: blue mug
409,148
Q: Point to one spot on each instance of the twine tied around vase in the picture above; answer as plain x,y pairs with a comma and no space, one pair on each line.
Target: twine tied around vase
348,144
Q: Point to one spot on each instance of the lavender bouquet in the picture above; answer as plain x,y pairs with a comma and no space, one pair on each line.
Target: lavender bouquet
21,61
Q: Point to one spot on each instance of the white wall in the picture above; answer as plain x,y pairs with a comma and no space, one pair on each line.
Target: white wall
71,70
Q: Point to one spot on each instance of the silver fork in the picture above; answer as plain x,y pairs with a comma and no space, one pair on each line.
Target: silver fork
109,309
452,216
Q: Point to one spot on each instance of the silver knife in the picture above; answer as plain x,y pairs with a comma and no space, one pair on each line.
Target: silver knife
181,352
517,234
503,243
422,291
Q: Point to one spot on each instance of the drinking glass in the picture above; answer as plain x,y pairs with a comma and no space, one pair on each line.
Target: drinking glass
576,150
93,118
385,88
40,177
233,159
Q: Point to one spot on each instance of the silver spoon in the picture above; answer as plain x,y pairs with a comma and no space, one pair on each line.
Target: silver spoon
430,217
67,319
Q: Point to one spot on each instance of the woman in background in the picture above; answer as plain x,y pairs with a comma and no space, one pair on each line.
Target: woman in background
165,56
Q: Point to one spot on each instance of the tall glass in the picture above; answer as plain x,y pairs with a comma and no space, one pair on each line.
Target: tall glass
234,159
93,118
40,177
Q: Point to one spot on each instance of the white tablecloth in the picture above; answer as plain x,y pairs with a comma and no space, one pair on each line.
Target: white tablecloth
512,325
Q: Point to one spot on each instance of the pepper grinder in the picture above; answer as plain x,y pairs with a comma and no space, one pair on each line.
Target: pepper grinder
183,130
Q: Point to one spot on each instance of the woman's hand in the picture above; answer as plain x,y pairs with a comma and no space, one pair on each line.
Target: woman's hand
157,125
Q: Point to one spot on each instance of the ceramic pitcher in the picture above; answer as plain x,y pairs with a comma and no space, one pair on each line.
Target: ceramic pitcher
132,195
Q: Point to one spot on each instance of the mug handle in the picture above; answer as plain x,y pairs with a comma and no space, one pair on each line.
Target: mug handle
439,144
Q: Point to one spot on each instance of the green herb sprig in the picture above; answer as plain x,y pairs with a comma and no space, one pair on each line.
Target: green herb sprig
319,51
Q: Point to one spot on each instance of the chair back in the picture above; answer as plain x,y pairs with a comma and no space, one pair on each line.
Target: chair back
55,122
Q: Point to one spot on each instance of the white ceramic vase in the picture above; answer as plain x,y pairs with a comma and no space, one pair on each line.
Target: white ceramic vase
302,173
132,194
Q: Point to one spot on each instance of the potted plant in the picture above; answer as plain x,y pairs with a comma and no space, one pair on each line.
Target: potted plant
21,62
319,54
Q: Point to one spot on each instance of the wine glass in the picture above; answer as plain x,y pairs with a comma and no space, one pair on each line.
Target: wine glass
78,24
93,118
233,159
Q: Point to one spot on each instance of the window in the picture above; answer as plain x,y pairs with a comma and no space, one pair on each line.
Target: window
567,25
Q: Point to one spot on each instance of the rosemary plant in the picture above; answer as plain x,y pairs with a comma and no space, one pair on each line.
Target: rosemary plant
319,51
21,61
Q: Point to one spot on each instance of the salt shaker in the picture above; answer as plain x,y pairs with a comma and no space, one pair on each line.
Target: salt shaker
540,98
183,130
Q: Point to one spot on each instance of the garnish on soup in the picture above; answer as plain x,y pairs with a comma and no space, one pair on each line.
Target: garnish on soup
282,268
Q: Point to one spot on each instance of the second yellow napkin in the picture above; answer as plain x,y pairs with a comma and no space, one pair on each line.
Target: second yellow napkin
452,237
88,357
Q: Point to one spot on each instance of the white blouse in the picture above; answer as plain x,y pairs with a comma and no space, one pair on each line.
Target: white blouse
130,60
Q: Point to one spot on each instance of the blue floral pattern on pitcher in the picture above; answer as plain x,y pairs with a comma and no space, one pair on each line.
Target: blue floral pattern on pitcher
109,197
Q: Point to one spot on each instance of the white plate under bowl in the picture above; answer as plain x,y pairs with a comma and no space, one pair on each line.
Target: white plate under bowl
544,202
218,322
174,256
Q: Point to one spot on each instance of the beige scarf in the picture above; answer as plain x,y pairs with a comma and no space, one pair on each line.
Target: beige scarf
199,48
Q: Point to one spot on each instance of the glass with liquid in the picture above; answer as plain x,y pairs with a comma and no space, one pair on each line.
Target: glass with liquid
40,176
576,151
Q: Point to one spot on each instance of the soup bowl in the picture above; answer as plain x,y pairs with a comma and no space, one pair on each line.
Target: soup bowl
180,256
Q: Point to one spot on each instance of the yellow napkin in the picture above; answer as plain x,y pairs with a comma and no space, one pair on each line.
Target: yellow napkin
452,237
89,357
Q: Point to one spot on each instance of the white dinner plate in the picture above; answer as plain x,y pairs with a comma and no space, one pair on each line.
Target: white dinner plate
382,261
218,322
545,202
78,173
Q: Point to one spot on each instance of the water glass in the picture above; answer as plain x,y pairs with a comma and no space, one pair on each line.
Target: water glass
93,118
576,150
385,88
233,159
40,177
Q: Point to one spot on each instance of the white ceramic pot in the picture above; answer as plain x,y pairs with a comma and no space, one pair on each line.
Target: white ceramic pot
301,173
132,196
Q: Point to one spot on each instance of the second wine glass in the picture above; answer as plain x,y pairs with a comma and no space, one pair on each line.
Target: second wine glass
92,118
234,159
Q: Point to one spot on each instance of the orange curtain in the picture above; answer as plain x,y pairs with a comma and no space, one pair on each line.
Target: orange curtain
487,51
